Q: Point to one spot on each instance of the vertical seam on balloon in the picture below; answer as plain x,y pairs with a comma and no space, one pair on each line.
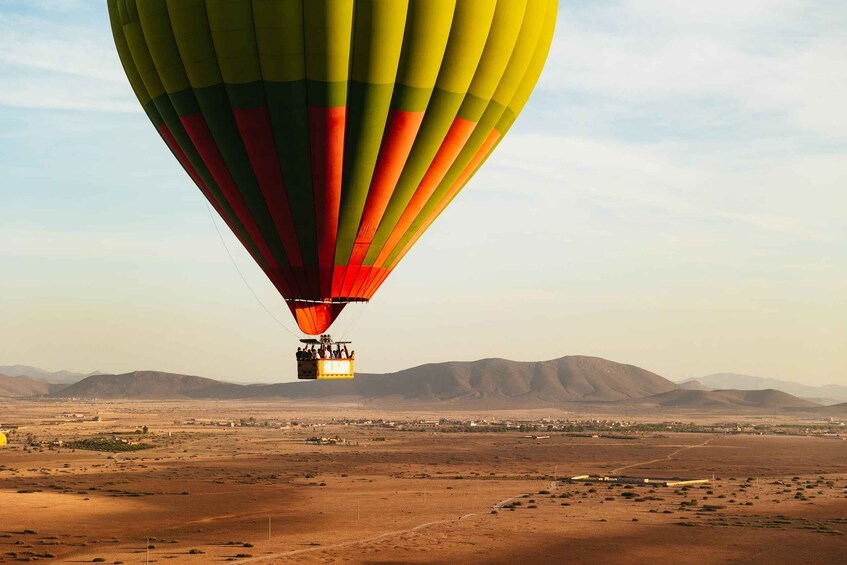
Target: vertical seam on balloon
385,126
483,153
268,241
327,117
357,258
166,100
441,164
218,201
310,277
412,232
344,153
382,234
283,187
295,282
262,242
477,160
350,52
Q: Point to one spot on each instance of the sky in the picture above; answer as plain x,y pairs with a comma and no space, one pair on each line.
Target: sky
673,197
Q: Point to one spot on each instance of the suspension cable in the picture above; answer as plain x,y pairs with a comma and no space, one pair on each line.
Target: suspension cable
240,274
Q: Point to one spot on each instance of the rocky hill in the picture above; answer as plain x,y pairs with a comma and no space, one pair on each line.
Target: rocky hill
498,382
152,385
520,384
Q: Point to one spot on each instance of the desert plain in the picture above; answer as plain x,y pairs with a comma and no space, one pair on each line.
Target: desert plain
236,481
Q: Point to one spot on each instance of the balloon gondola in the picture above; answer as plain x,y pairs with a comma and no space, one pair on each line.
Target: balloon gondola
330,134
324,358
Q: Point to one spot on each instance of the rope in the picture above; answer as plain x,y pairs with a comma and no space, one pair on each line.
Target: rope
349,321
354,321
240,274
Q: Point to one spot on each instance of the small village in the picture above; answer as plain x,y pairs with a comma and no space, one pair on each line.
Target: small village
535,429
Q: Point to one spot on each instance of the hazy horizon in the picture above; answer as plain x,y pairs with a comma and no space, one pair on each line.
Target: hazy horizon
672,198
246,380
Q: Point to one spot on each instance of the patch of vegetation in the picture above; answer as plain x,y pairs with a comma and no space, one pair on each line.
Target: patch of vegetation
106,444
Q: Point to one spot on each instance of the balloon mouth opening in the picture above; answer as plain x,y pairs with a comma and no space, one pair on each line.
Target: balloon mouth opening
314,317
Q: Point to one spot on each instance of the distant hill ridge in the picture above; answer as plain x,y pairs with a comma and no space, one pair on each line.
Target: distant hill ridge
730,399
567,382
827,394
569,379
24,386
151,385
65,377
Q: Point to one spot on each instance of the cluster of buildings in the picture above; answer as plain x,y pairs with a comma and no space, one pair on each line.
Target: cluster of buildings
80,416
592,427
646,481
328,441
250,423
596,427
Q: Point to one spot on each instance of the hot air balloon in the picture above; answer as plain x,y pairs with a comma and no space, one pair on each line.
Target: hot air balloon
330,134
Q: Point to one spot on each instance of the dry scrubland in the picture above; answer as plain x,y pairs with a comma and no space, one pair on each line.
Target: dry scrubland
204,494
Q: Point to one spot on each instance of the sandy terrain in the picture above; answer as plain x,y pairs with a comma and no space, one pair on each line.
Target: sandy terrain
207,494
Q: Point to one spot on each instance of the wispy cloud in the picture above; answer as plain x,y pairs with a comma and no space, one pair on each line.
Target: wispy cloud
775,223
666,186
765,57
48,64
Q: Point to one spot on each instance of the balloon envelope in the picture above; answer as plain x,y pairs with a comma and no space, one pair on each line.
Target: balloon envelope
330,134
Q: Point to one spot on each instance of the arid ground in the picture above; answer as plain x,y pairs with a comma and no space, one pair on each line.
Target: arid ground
261,494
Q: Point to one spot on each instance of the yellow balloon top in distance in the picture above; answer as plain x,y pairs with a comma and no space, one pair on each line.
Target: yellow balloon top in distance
330,134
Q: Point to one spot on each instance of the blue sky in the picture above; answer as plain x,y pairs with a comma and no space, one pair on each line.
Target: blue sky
672,197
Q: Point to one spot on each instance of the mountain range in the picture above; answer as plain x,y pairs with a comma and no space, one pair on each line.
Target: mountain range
826,394
67,377
769,399
569,379
568,382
